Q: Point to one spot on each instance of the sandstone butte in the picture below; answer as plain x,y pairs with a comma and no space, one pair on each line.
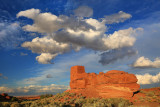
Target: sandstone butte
112,84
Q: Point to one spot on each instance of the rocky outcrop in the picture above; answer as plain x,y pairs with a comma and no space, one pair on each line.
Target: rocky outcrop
113,83
6,97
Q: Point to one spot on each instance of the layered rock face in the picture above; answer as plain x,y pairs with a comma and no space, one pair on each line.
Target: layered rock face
111,84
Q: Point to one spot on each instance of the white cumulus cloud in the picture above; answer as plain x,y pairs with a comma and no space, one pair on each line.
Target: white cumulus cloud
6,90
45,58
121,38
10,35
117,17
31,13
46,45
65,33
148,79
143,62
49,23
34,89
83,11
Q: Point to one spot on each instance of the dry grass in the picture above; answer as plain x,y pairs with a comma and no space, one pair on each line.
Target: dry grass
69,100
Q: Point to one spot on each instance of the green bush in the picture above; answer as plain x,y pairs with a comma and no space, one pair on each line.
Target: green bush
57,96
72,94
72,101
65,93
66,98
80,102
91,100
111,102
45,96
14,99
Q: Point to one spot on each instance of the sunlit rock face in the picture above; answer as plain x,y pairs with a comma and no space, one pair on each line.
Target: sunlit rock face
111,84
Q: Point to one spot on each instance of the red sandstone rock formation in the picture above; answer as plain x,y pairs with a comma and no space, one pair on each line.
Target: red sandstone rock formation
111,84
4,94
4,97
8,97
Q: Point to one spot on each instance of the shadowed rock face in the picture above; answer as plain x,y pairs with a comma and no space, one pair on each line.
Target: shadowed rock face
4,97
113,83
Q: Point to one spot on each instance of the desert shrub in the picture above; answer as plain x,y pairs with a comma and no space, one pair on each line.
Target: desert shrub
82,97
124,104
66,106
66,98
151,93
15,104
54,103
142,91
46,96
38,103
97,104
111,102
58,95
43,102
80,102
135,100
141,99
66,102
72,94
78,95
65,93
14,99
154,97
58,104
26,103
5,104
118,102
158,100
148,98
91,100
88,105
72,100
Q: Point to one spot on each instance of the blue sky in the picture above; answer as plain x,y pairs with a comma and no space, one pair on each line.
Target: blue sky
40,40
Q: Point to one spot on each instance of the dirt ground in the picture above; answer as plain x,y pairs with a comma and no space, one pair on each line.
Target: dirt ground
147,104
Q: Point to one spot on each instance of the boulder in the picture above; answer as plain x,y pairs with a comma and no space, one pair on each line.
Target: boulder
111,84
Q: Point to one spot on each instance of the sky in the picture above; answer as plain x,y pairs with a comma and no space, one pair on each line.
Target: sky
40,40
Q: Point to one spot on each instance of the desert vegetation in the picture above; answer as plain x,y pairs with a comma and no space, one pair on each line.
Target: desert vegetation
45,96
68,100
148,96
